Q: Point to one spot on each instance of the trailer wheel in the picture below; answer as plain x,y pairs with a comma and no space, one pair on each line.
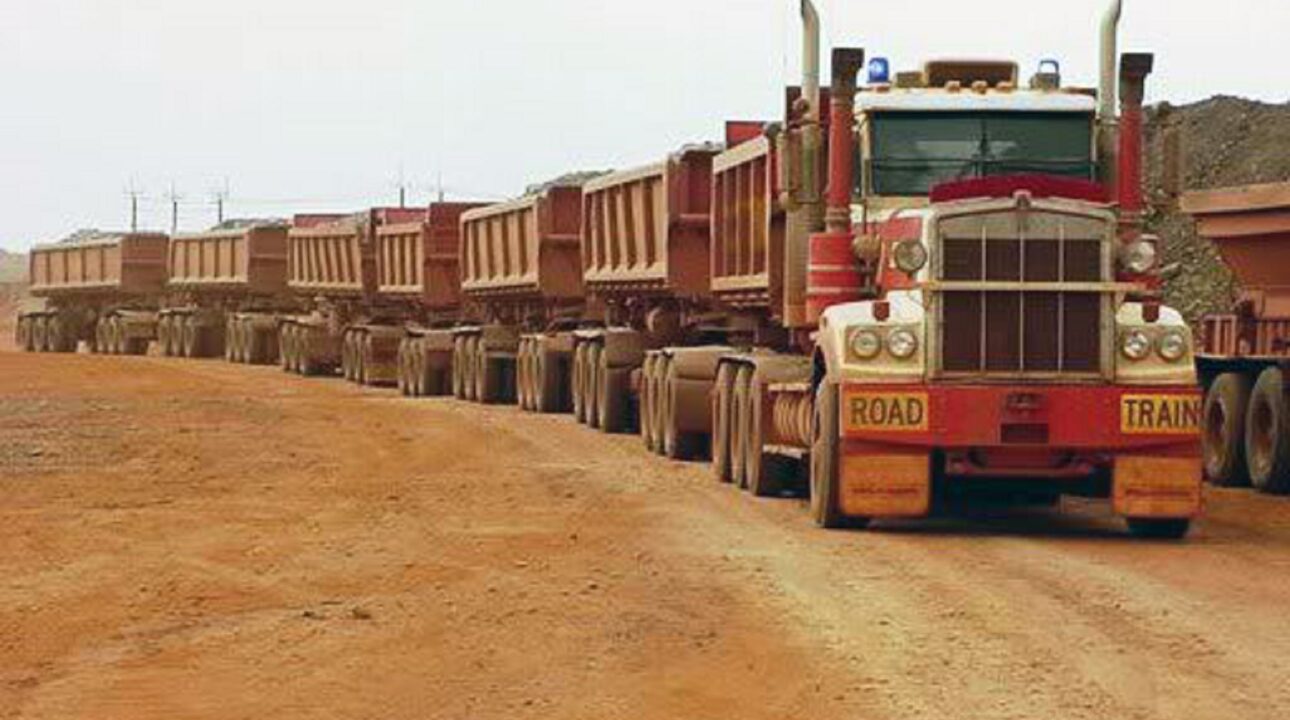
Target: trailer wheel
21,332
763,473
403,369
578,386
658,401
824,462
612,397
305,363
54,337
39,334
1267,433
647,402
163,336
722,395
740,414
591,388
1159,528
547,387
488,377
188,337
1226,404
255,344
676,444
284,347
425,380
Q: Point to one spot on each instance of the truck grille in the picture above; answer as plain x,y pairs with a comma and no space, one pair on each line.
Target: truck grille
1018,331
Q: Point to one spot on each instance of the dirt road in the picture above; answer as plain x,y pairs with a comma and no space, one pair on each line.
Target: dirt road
198,540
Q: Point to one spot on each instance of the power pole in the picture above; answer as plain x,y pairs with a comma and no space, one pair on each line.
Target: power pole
133,194
221,196
403,189
174,198
439,183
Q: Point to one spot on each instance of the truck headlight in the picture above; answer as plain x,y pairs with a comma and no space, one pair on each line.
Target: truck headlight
902,344
910,256
1138,257
866,344
1135,345
1173,346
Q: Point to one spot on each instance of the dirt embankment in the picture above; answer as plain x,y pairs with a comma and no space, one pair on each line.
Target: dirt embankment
1225,141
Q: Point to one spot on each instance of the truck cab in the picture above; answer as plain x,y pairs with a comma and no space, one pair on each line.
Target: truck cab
1008,327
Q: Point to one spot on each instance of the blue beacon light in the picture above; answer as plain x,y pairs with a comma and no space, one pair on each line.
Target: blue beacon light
879,71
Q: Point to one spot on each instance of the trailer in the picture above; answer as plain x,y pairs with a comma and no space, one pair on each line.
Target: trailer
224,291
104,291
332,270
1245,353
521,275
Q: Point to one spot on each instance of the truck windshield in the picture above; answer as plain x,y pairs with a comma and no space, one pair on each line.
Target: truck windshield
915,151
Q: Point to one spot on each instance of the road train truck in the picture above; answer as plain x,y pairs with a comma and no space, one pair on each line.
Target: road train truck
1245,353
970,299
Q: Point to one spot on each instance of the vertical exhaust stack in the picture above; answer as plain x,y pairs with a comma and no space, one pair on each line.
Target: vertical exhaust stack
846,66
800,153
1106,93
811,59
1134,69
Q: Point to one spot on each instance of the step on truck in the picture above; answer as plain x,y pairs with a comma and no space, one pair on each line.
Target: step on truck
104,291
522,280
224,291
1245,353
968,302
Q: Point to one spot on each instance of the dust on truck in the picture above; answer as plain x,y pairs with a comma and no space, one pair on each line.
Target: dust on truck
1245,352
978,300
104,291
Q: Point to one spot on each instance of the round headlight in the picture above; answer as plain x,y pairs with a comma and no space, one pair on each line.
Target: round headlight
1139,257
1173,346
902,344
866,344
1135,345
910,256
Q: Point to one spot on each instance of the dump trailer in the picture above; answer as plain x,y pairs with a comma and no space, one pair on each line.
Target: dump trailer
418,282
967,304
522,278
332,270
645,264
1245,353
224,293
104,291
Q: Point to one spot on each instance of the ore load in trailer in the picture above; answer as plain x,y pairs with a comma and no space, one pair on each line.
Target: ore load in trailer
973,304
104,291
522,279
1245,353
224,291
332,270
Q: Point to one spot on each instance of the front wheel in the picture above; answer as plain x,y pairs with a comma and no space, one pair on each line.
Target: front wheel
1267,433
1159,528
825,508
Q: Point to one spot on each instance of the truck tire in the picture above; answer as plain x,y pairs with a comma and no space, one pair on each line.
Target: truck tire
548,395
647,402
658,381
458,384
254,344
1267,433
100,337
163,336
611,395
348,359
524,376
470,368
579,385
21,332
591,387
188,331
739,416
305,363
39,334
56,335
722,395
230,339
677,445
403,374
1159,528
286,347
824,486
763,473
1226,404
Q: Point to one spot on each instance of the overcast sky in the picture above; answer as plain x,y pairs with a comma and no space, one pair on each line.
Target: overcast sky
322,105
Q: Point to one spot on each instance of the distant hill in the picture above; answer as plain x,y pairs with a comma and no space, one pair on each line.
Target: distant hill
13,267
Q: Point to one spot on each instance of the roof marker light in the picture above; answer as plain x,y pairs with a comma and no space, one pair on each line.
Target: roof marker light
879,71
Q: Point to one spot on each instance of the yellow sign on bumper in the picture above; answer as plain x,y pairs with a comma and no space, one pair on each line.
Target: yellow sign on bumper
1160,414
885,411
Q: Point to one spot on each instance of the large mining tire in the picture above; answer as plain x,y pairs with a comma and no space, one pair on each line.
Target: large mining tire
1159,528
739,421
1226,404
722,398
1267,433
